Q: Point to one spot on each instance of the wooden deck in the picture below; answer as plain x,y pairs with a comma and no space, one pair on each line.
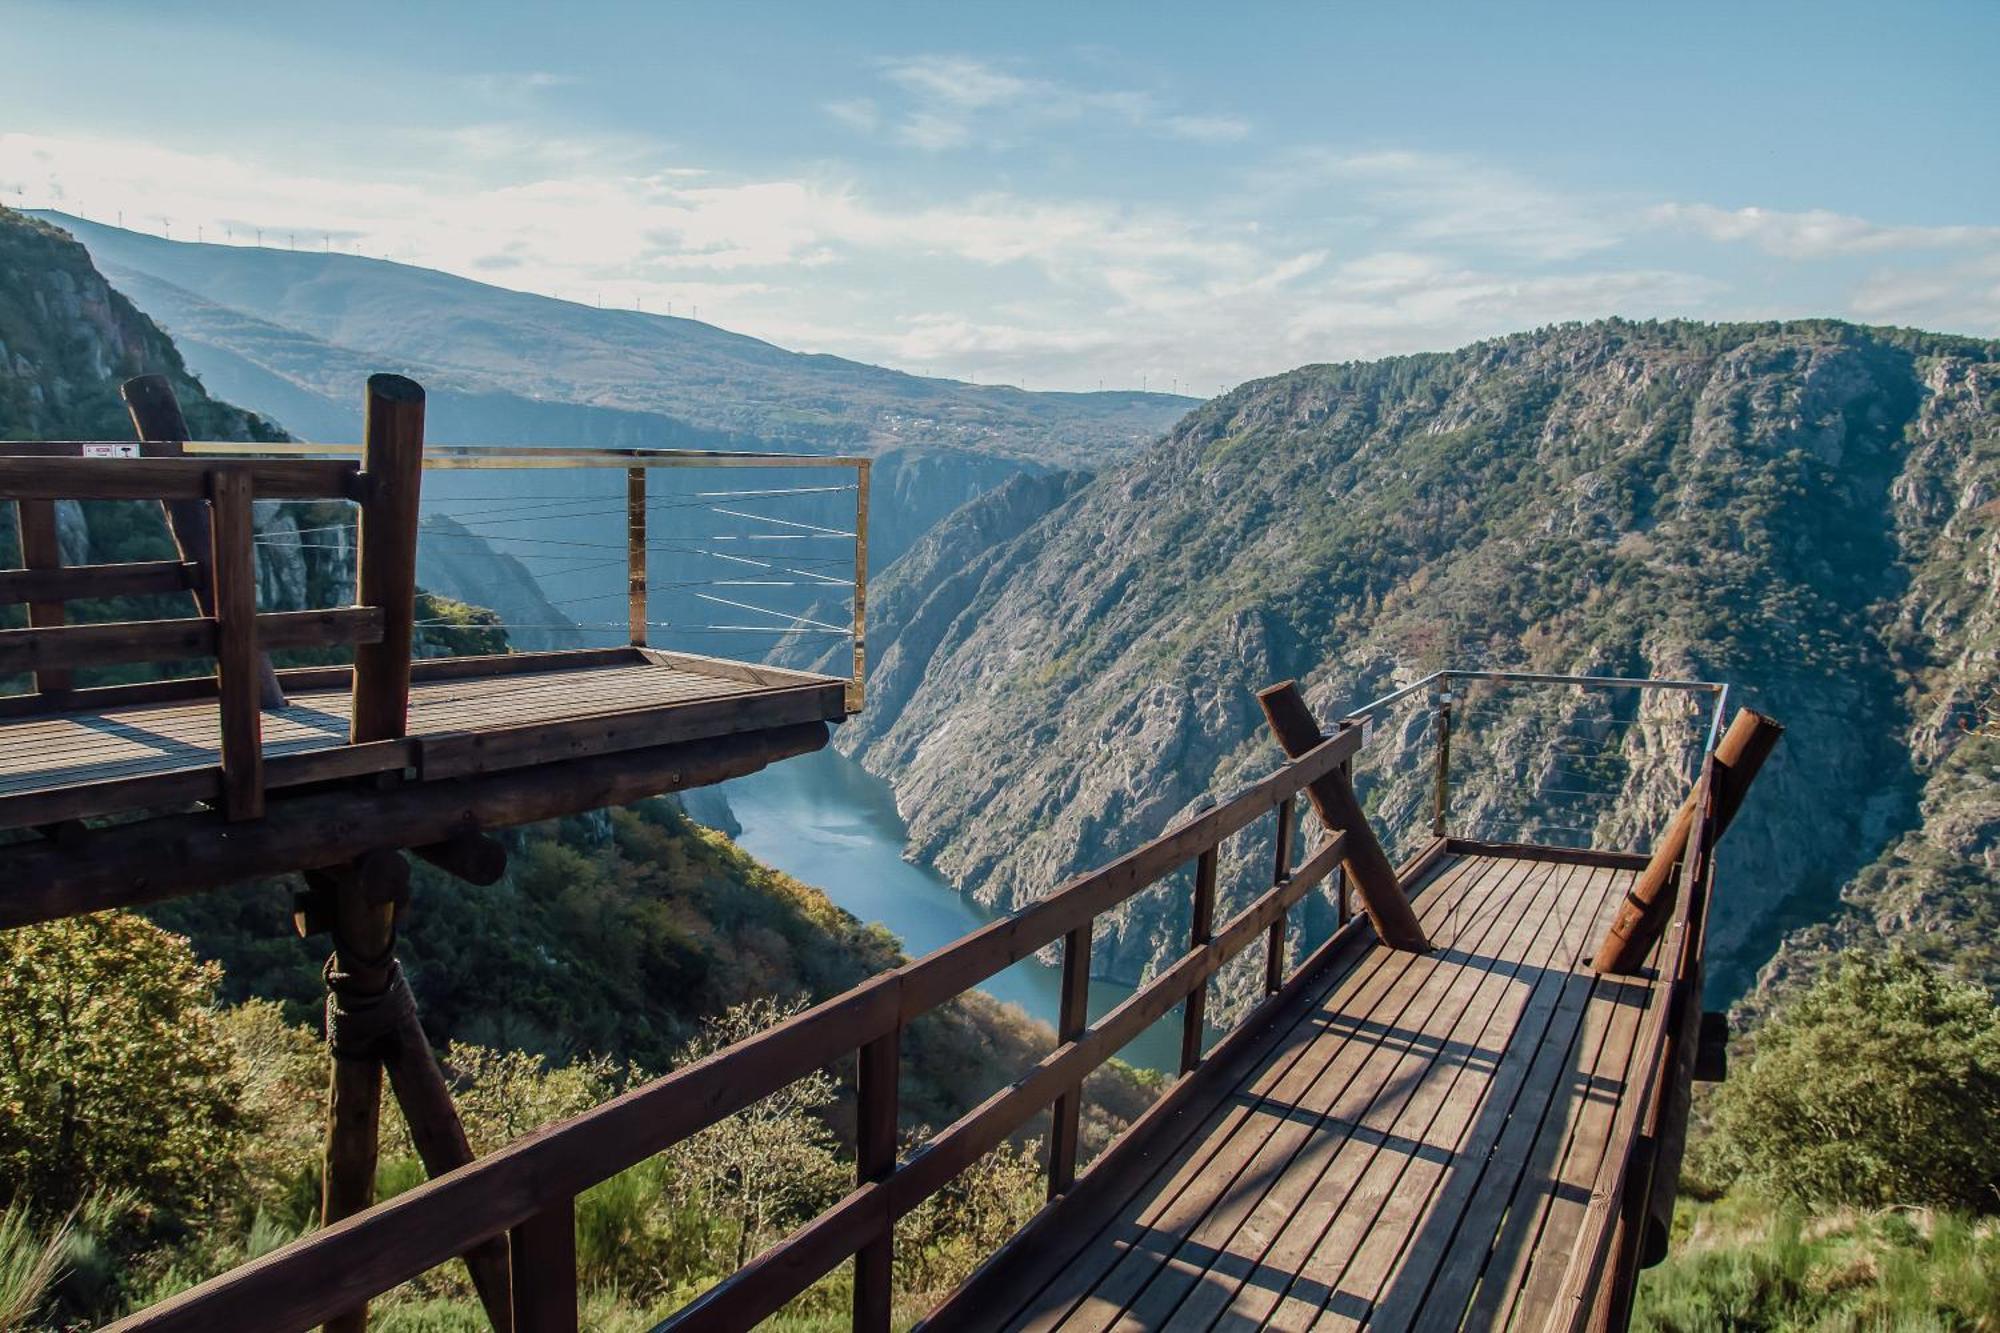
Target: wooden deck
466,716
1412,1144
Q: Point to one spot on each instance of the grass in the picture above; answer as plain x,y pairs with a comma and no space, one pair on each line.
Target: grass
1741,1264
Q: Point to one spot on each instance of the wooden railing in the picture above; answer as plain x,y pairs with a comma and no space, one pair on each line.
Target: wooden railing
527,1190
209,505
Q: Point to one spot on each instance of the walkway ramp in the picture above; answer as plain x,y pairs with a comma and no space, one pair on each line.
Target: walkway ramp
1410,1145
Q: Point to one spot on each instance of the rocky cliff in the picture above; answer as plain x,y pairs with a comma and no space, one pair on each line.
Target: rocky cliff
1804,509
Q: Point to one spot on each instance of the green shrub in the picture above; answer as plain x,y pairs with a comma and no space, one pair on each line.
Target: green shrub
1875,1086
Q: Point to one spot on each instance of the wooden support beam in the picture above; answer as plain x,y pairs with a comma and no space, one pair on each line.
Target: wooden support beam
392,455
166,857
156,418
1333,799
1649,902
635,554
1281,871
1065,1119
41,551
440,1141
237,660
364,897
542,1251
1201,929
875,1121
475,857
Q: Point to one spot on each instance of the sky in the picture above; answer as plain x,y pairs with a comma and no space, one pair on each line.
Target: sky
1060,196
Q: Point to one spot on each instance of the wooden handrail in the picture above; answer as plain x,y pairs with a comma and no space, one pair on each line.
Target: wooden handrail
1587,1279
79,583
107,643
537,1175
175,478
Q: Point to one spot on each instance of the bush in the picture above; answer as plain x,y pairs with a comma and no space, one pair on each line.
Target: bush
1875,1086
113,1072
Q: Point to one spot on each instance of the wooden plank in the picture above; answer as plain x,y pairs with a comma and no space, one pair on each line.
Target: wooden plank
1056,1234
1344,1180
552,740
1349,1080
238,658
1534,851
1436,1276
1514,1248
755,673
81,583
41,552
1057,1268
542,1256
1393,1271
171,478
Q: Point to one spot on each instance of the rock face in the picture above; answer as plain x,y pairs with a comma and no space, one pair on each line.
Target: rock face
1806,510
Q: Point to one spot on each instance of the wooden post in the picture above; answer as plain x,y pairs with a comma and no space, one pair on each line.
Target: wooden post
392,454
1067,1114
857,688
236,657
875,1117
543,1254
1201,929
41,548
439,1137
1650,900
1441,795
162,430
363,897
477,858
1333,799
1281,871
635,553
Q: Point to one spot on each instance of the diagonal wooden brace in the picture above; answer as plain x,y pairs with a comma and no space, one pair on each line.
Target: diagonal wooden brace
1333,799
1650,900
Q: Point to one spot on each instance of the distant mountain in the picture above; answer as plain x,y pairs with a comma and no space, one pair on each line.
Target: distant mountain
307,320
1810,510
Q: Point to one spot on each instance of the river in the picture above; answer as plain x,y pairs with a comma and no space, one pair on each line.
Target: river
824,819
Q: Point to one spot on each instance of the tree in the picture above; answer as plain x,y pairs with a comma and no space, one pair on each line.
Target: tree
1876,1085
113,1073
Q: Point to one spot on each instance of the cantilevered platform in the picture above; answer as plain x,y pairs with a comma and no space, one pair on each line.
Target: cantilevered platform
467,715
1412,1144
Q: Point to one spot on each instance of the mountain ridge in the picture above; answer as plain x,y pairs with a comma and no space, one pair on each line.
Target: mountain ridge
1800,507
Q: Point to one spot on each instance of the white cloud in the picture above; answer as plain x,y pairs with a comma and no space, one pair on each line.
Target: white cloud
1321,256
1816,233
955,101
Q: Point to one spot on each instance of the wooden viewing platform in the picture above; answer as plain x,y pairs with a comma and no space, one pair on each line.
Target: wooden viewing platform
1463,1109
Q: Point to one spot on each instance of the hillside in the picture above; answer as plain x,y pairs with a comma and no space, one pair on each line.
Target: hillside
286,323
1807,510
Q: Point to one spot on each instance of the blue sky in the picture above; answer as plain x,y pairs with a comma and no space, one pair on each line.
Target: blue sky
1061,195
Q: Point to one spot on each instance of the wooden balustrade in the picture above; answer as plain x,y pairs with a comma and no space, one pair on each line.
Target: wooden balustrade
526,1190
208,503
